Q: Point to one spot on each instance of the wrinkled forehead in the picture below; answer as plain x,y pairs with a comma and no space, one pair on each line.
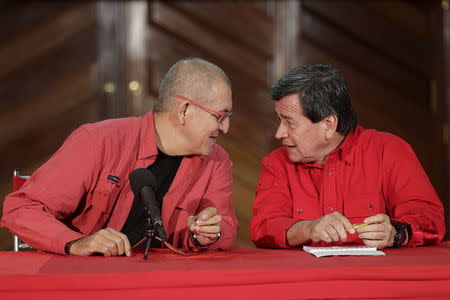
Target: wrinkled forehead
219,96
289,105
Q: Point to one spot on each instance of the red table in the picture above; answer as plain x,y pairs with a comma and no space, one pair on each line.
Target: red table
243,273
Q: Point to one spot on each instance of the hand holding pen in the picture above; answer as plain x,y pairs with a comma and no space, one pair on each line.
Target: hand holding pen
331,227
376,231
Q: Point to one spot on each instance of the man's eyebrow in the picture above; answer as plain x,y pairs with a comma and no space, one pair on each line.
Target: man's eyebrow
286,117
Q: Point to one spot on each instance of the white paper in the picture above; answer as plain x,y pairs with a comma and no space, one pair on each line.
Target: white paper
343,250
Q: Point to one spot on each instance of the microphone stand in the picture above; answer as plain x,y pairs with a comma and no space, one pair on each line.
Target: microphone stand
150,235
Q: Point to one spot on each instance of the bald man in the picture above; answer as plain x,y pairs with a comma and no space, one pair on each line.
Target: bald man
80,201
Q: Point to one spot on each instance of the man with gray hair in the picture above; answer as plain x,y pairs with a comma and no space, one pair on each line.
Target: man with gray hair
80,201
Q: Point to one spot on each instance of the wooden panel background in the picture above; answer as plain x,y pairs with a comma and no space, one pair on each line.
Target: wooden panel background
389,51
47,58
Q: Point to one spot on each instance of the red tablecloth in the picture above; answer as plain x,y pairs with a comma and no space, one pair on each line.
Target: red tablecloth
243,273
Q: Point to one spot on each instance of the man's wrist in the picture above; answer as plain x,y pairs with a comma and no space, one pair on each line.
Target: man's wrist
401,234
200,245
298,233
68,246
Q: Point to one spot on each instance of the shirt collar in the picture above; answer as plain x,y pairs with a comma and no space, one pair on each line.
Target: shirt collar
346,151
147,137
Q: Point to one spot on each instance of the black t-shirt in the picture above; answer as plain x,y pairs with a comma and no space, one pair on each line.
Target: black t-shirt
164,168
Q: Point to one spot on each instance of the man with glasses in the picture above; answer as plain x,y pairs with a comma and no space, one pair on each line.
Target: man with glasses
80,201
335,182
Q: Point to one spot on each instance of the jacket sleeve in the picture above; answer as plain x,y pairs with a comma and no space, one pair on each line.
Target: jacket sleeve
411,199
218,195
272,208
37,212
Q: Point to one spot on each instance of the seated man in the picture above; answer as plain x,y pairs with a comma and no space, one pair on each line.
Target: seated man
80,201
332,174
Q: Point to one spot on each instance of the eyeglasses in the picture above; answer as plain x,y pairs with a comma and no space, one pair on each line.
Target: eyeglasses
220,116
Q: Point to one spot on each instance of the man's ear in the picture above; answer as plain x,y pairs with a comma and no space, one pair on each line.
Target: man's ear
182,112
330,124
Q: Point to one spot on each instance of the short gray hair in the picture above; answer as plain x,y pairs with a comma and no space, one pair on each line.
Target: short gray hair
189,77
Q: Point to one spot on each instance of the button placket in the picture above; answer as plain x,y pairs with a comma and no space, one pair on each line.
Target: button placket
329,189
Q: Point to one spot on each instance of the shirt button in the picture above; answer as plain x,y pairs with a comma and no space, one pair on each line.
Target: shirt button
299,210
329,208
328,172
370,207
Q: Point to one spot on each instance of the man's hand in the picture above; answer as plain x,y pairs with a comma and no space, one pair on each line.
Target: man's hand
107,241
378,233
205,225
331,227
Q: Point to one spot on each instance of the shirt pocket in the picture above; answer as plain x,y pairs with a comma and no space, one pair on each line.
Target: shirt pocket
99,205
182,210
305,212
104,199
189,207
357,207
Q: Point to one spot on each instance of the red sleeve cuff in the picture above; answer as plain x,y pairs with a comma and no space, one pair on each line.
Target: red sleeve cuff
59,245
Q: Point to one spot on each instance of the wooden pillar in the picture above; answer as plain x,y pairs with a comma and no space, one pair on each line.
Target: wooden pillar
121,69
286,37
136,51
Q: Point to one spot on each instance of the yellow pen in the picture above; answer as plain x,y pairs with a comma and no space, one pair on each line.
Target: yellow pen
356,226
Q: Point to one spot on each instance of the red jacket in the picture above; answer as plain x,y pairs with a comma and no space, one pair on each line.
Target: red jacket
70,196
370,173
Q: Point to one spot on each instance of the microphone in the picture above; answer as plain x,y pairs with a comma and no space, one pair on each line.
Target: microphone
143,185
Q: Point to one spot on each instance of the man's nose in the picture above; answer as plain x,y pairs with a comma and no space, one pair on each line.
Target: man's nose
225,126
281,132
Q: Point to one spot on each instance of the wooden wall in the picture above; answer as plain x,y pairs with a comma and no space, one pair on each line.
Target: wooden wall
52,72
47,58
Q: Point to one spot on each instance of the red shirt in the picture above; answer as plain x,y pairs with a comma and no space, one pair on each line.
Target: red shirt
371,172
73,195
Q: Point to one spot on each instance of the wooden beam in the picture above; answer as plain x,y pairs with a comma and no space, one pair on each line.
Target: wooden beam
17,17
239,20
331,39
377,31
20,49
214,43
31,78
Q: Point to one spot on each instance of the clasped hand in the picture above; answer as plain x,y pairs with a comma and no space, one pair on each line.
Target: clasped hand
334,227
205,225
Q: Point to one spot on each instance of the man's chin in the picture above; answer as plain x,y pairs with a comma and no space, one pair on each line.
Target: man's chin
294,158
207,150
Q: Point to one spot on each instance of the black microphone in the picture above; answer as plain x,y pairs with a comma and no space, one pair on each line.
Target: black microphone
143,185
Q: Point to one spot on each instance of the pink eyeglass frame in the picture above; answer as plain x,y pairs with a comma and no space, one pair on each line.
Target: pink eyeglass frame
218,115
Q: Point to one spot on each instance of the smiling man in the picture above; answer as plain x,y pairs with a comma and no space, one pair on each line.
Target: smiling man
332,175
80,201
